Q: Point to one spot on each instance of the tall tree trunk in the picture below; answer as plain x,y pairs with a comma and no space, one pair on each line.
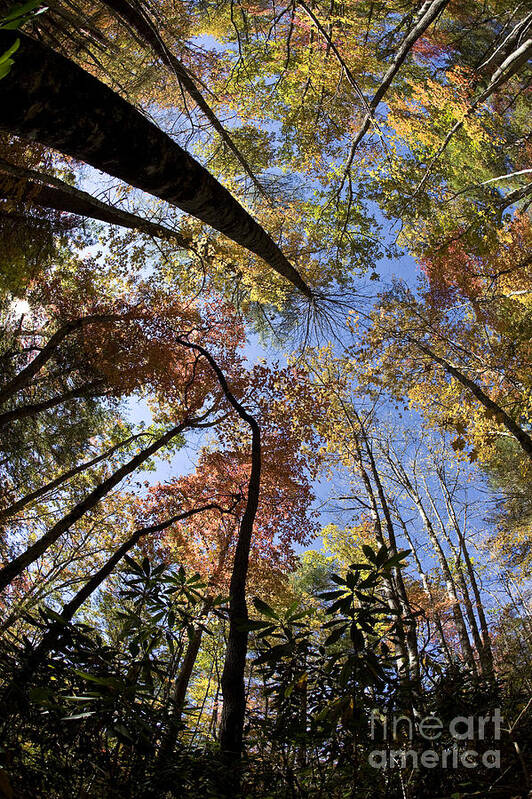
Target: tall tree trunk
52,637
37,188
486,654
94,389
63,478
180,689
185,673
34,551
459,621
451,588
427,589
62,106
233,686
146,30
522,437
460,576
410,632
390,587
510,66
26,375
430,11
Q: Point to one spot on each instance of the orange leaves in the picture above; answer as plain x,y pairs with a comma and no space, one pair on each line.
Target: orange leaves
137,350
500,271
277,399
206,544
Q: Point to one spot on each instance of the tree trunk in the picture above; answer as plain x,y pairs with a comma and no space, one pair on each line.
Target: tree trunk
141,24
233,686
511,425
503,73
37,188
392,598
68,475
460,577
410,633
180,689
428,591
26,375
461,628
34,551
451,588
485,653
56,629
60,105
25,411
427,18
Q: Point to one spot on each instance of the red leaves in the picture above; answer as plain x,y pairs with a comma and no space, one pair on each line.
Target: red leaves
284,516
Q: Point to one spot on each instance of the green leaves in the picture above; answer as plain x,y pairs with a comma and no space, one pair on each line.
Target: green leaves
19,14
6,62
369,553
265,609
336,634
396,561
355,629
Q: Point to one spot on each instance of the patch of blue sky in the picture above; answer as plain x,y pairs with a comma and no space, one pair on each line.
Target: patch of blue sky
388,268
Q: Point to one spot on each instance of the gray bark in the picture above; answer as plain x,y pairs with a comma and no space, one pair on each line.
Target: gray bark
485,651
459,621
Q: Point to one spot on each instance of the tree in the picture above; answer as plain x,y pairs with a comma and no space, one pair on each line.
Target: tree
473,368
168,172
41,189
160,479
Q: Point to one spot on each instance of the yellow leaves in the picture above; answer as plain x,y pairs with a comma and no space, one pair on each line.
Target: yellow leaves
433,109
346,544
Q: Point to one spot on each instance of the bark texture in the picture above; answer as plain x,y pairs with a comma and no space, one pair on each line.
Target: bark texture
140,23
49,99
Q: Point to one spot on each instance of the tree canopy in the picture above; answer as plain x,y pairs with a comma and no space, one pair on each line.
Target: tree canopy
265,399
